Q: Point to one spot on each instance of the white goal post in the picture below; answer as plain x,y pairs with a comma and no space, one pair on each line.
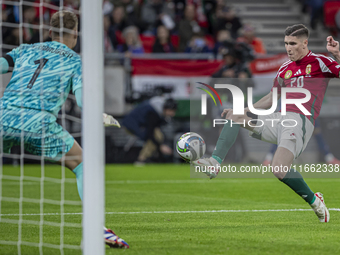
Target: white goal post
92,126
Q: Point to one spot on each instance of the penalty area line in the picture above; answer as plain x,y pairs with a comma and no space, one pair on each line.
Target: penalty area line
175,212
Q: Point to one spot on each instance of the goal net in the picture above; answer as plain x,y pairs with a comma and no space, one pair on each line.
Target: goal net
40,209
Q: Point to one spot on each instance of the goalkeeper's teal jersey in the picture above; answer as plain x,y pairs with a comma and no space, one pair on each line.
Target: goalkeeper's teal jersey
43,76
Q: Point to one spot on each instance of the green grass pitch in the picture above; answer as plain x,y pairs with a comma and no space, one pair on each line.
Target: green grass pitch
171,213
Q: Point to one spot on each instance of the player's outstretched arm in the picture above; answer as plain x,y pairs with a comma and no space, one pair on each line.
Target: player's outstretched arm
333,48
108,120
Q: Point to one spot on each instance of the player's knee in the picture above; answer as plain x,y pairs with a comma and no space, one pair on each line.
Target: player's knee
72,164
78,161
279,168
278,173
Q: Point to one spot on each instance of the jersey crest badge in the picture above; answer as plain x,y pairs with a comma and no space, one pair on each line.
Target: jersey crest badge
308,69
288,74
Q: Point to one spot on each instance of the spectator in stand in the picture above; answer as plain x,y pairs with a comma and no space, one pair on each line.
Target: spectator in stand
201,17
163,43
197,44
45,36
201,10
226,19
107,7
187,27
118,22
12,38
47,12
209,7
233,66
118,19
248,37
179,10
29,16
223,42
71,5
157,12
337,21
220,4
132,43
316,11
110,42
132,12
131,7
6,31
8,14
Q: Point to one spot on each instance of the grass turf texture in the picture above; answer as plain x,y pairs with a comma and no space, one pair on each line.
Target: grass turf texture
169,188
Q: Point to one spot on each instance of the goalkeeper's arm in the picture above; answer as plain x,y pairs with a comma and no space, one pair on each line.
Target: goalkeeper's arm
6,64
78,95
108,120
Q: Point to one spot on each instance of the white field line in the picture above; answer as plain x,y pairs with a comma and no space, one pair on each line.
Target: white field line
175,212
207,180
203,180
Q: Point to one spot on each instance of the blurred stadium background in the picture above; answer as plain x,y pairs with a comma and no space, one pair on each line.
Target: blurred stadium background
157,47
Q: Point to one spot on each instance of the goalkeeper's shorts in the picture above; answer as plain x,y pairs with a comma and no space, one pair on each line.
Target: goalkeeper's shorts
52,143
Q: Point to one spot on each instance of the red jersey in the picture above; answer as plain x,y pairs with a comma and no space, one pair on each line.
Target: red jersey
312,72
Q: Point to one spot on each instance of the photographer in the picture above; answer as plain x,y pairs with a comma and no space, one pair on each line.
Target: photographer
144,122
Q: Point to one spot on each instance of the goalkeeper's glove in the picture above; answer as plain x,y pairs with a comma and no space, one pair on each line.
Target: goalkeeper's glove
109,121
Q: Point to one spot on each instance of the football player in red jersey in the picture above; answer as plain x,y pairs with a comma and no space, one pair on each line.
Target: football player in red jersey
304,70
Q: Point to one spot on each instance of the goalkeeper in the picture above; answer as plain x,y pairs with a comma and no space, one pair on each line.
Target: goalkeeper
43,75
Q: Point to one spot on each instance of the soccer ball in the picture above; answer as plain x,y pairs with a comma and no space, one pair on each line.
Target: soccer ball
190,146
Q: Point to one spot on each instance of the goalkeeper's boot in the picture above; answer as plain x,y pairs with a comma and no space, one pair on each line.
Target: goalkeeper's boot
320,208
209,166
114,241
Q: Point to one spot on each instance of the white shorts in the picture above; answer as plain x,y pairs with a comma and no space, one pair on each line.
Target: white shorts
291,131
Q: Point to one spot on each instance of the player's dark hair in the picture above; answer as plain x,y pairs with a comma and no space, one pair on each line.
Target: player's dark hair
170,104
297,30
63,20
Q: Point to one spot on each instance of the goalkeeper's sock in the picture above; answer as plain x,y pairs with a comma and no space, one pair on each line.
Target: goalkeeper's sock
294,180
226,139
79,174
